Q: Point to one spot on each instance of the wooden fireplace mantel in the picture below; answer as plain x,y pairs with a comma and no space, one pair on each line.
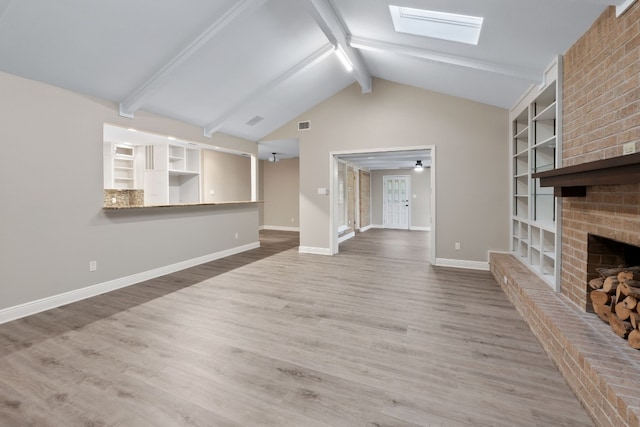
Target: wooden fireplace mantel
572,181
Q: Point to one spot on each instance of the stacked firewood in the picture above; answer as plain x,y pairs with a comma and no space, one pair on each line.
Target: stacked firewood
615,298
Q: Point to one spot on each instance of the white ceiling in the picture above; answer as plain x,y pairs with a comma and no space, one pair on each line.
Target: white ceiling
220,63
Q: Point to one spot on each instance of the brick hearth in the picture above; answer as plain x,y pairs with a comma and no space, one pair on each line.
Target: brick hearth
602,370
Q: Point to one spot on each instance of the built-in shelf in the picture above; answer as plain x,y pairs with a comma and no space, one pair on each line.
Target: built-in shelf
548,113
572,181
536,146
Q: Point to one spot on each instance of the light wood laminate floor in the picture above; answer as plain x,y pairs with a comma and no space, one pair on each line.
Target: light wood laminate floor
374,336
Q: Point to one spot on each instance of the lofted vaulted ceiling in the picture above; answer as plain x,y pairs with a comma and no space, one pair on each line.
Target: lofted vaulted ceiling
246,67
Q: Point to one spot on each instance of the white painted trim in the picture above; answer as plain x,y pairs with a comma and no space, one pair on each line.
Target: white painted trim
331,25
34,307
461,263
433,249
623,7
260,227
346,237
136,99
416,228
376,226
279,228
310,61
333,177
363,229
314,251
364,43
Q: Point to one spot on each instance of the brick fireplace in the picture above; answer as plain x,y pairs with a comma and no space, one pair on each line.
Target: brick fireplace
601,117
608,211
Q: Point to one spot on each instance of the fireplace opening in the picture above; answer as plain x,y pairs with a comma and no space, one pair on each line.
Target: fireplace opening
607,253
615,297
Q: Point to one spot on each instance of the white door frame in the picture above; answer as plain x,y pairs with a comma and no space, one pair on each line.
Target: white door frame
384,198
333,177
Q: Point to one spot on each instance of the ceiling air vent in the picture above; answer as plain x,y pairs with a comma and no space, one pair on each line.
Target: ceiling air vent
255,120
304,125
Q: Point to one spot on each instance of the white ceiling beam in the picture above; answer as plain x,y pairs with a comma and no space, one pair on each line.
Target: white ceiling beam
300,67
461,61
136,99
331,26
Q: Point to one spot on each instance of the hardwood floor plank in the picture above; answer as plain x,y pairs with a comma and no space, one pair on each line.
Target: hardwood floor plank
373,336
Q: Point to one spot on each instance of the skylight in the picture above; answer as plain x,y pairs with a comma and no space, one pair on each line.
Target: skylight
439,25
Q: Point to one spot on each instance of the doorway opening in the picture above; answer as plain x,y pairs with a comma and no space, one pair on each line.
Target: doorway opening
382,188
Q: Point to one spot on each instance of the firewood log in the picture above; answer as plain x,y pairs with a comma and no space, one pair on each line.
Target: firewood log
622,312
596,283
635,319
610,284
630,302
603,311
632,283
619,327
606,272
599,296
628,275
634,339
628,290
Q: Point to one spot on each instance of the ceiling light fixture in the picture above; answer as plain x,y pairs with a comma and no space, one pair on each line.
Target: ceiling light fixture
418,166
439,25
342,56
273,158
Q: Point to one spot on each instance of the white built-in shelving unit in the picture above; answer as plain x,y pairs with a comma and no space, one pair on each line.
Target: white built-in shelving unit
172,174
536,140
122,166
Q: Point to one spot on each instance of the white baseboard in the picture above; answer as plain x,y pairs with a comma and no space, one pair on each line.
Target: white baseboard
260,227
412,228
346,237
363,229
34,307
279,228
461,263
314,251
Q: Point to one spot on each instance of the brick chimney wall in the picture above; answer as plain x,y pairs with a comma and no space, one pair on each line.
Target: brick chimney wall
601,101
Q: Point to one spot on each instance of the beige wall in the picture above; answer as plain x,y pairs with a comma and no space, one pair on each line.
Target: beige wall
281,193
228,176
51,183
420,187
471,154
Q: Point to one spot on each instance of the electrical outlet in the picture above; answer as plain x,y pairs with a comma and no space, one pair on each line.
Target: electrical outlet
293,220
93,265
236,235
629,148
457,246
